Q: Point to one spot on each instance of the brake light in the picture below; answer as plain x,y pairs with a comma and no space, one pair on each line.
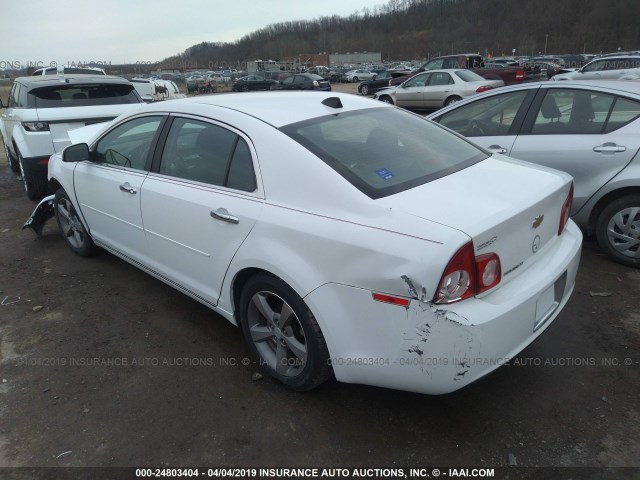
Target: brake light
35,126
488,270
483,88
520,75
467,275
566,210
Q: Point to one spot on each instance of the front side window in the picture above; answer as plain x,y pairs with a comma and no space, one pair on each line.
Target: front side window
419,80
490,116
384,151
207,153
130,144
595,66
434,64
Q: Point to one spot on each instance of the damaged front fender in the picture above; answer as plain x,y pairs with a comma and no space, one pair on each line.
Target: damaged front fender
43,212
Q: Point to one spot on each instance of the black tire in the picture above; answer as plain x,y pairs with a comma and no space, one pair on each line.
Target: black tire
245,88
451,100
386,99
364,89
354,79
35,187
290,347
616,233
13,161
73,231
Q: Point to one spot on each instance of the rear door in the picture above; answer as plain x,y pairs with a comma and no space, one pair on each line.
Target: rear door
109,189
200,204
439,88
592,136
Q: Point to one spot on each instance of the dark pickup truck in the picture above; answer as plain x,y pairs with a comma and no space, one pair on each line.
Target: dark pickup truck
509,75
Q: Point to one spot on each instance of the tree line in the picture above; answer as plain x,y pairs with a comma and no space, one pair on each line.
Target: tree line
419,29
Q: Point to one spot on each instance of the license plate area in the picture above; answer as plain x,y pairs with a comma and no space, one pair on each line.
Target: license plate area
549,301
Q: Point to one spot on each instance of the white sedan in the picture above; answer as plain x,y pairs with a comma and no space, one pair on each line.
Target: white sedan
436,89
360,74
344,236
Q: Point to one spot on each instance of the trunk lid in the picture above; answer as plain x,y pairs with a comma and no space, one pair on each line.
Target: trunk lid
506,206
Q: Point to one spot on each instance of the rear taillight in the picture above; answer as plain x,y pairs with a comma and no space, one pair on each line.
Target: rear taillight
467,275
483,88
520,75
566,210
35,126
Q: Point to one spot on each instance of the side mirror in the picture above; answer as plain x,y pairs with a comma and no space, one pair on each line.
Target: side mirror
76,153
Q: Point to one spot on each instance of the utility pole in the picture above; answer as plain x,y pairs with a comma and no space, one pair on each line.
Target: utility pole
546,39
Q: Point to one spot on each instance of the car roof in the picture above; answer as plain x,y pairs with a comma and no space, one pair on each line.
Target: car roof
276,108
52,80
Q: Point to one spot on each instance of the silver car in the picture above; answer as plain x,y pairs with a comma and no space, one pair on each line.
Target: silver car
611,67
590,130
436,88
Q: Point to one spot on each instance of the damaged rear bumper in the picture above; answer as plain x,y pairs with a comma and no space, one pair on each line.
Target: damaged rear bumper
436,349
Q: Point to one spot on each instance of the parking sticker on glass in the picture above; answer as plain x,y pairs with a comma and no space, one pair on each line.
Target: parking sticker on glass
384,174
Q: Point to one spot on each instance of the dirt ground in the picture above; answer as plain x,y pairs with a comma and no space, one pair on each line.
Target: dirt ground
102,365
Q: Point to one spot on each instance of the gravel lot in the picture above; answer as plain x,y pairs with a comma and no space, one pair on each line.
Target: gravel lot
102,365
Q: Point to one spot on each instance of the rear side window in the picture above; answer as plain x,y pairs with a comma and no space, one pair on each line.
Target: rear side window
623,112
383,151
207,153
583,112
67,95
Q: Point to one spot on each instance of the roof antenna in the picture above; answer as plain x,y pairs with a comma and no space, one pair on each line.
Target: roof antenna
333,102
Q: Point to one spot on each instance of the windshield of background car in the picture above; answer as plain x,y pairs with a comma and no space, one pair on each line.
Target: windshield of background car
384,151
69,95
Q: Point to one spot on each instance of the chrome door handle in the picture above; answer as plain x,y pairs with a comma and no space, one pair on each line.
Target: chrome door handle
223,214
497,149
125,187
609,148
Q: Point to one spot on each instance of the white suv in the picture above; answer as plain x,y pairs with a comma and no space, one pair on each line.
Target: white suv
42,109
610,67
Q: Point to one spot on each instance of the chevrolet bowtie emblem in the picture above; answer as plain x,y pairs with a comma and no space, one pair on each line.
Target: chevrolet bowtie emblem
537,221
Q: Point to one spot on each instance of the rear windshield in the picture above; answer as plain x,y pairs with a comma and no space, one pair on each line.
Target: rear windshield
66,95
469,76
382,151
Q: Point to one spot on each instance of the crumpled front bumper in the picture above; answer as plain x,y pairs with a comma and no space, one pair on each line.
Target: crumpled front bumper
43,212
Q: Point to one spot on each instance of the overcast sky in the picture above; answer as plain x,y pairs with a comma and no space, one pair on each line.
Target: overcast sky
130,31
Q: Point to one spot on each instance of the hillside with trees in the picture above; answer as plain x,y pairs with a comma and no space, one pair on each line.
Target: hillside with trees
415,29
